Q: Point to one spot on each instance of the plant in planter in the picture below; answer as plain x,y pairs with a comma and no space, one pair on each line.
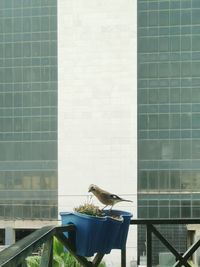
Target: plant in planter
97,231
61,258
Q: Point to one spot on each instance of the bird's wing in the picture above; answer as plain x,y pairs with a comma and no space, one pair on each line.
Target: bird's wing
115,197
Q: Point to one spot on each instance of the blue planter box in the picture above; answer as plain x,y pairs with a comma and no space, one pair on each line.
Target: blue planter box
98,234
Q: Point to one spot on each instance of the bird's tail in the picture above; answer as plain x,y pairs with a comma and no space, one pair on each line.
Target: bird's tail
126,200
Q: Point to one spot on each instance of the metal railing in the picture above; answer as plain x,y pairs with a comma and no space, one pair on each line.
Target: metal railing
16,254
181,259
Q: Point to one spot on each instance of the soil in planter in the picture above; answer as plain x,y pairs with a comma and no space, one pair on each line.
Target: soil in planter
92,210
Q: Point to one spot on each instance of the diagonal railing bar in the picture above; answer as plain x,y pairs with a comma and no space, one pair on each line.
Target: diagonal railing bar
189,253
180,258
97,259
70,247
83,261
15,254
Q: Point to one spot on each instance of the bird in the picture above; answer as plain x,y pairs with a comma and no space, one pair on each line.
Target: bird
105,197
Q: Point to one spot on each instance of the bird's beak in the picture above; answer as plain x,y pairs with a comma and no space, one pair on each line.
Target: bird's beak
89,190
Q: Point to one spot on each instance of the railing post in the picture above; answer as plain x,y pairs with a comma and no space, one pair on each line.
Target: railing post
47,254
149,245
123,257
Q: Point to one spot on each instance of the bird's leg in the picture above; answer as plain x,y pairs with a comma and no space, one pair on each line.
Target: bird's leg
110,210
104,207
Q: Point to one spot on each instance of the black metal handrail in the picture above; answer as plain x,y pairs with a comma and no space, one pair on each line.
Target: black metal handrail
182,260
16,254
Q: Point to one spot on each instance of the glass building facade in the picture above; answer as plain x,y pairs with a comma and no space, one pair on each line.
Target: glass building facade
169,108
28,109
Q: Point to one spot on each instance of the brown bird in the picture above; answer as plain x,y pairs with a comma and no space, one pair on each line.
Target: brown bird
105,197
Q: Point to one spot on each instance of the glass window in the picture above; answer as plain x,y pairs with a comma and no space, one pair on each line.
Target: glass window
36,124
153,122
163,121
163,96
164,70
164,212
26,150
164,180
26,49
17,50
175,69
18,124
8,50
196,121
143,122
8,25
195,95
53,21
45,48
175,212
164,18
36,24
142,16
153,180
186,69
175,180
185,209
175,121
2,180
8,124
196,42
195,68
153,96
186,121
142,181
195,149
164,44
153,70
36,49
152,44
44,23
17,25
175,43
175,95
153,18
17,75
45,74
185,17
186,151
195,16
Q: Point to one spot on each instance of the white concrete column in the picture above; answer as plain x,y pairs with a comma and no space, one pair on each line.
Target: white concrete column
9,236
97,102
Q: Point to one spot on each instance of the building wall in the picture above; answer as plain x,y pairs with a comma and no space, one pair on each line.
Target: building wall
169,108
97,102
28,110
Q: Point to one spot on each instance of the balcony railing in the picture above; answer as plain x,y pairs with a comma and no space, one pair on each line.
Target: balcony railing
150,224
16,254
